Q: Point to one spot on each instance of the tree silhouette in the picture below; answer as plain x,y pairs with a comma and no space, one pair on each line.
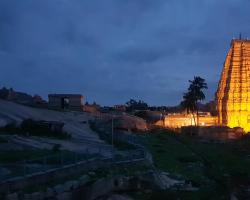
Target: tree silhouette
193,96
134,105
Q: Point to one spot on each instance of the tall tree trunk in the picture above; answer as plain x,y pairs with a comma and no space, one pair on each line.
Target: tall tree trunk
195,123
193,128
193,116
197,114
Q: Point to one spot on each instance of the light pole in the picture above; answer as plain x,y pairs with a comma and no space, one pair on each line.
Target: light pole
112,131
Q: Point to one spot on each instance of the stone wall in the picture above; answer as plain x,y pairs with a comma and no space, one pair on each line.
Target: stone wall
177,120
214,132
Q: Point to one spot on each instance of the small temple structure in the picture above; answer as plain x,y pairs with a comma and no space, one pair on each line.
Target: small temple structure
72,102
233,93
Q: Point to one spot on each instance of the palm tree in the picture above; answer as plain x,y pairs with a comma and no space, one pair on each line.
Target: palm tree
189,104
194,95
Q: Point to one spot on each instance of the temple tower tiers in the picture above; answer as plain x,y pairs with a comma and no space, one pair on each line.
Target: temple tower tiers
233,93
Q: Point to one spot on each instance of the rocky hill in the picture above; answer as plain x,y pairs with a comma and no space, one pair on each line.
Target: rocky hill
75,123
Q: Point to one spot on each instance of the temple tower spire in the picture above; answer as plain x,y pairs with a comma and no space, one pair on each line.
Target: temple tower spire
233,93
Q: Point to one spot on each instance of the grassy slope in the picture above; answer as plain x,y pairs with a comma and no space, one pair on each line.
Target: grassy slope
215,168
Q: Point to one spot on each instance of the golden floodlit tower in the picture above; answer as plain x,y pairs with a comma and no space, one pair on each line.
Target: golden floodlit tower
233,93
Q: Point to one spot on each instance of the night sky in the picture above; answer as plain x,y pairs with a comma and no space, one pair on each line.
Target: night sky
114,50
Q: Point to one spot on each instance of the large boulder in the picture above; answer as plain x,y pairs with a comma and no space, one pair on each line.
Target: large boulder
130,123
150,116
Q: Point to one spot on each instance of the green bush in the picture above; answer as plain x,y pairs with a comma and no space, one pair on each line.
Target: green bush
31,127
10,128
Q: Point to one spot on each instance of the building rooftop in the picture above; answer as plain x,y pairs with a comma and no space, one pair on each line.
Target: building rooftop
65,95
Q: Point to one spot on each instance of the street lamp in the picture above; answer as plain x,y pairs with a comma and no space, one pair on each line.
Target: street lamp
112,130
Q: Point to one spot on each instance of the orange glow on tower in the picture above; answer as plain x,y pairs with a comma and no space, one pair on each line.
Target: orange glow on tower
233,93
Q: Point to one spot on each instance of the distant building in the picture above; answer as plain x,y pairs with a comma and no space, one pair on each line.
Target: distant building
66,102
178,120
121,108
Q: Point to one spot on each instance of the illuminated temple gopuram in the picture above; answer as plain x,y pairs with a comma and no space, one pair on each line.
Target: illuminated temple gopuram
233,93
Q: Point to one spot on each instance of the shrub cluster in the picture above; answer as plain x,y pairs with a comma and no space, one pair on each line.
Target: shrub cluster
30,127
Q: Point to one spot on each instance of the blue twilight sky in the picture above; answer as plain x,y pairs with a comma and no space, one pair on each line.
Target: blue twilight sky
114,50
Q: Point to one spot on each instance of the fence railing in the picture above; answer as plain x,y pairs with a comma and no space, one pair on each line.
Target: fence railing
61,159
138,141
43,164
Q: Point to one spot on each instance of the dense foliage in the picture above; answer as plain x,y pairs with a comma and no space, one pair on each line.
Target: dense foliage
194,95
136,105
30,127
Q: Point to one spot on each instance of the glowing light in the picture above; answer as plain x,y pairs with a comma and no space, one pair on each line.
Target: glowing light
177,120
233,94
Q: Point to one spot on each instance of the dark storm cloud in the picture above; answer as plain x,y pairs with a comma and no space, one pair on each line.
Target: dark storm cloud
117,49
138,56
202,46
